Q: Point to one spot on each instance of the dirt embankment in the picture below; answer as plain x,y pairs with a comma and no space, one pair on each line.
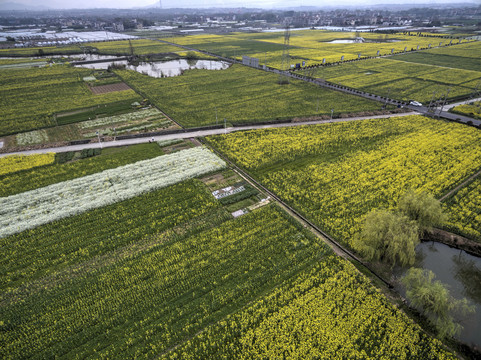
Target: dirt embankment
454,240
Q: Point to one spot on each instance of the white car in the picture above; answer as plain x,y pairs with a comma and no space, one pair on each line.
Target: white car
415,103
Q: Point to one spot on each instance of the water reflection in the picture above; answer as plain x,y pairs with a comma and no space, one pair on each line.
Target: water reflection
163,68
466,271
461,272
176,67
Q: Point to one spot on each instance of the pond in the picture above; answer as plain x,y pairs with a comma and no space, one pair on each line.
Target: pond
343,41
164,68
462,273
354,41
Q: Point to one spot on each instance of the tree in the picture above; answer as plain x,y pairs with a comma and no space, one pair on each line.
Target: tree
388,237
422,208
432,297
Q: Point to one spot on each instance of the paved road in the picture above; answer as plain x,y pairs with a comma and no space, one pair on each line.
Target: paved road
444,114
449,106
191,134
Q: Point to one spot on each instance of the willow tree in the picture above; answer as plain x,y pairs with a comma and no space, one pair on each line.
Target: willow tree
423,208
433,299
388,237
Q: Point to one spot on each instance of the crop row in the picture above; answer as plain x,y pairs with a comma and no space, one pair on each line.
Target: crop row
329,311
41,206
336,173
13,163
239,94
464,210
141,114
59,247
147,302
34,178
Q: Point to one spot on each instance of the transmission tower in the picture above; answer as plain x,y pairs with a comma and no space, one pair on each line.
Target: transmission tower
444,101
160,4
283,77
131,48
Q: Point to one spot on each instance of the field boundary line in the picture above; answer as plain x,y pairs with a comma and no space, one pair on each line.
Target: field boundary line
460,186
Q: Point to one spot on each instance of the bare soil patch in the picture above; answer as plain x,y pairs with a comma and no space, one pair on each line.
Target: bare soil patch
104,89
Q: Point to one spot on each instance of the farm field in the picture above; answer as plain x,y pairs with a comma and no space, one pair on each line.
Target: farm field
165,268
400,79
463,56
240,95
141,47
43,50
336,173
464,210
21,63
54,202
160,250
472,109
30,97
301,319
63,170
73,128
311,46
15,163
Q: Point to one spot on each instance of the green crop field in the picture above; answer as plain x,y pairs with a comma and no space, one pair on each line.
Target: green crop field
301,320
402,80
336,173
161,251
39,51
462,56
464,210
141,47
311,46
18,182
472,109
30,97
164,274
239,94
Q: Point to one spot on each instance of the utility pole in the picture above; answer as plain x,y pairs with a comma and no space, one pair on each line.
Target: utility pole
216,115
98,136
444,101
432,103
285,64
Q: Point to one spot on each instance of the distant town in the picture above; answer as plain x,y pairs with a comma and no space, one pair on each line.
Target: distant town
56,27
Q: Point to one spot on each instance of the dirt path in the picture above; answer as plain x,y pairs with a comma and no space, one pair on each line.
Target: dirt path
463,184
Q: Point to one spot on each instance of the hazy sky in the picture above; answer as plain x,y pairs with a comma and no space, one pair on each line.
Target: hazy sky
69,4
